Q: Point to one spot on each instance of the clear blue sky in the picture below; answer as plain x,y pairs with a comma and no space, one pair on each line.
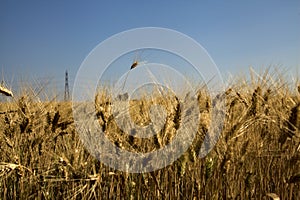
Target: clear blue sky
44,38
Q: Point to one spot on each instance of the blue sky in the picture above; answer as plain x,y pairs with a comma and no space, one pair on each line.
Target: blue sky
41,39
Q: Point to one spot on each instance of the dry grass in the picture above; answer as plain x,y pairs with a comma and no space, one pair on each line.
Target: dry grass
257,156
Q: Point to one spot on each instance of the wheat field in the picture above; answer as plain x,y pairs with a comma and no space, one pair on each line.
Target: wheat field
256,157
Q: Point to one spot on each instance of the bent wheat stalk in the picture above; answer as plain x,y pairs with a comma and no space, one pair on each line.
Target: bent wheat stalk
5,91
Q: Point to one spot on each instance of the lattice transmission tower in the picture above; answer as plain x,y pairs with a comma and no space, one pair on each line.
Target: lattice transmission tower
67,92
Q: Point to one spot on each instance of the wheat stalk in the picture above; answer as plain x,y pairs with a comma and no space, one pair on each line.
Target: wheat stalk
5,91
273,196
